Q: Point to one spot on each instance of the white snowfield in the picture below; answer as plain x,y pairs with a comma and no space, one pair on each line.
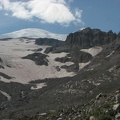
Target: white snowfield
93,51
6,95
110,54
82,65
33,33
38,86
24,70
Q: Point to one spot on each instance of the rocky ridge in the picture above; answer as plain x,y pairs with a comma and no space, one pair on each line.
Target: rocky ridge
88,37
85,39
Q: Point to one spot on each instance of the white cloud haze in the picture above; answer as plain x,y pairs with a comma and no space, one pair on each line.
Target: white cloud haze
50,11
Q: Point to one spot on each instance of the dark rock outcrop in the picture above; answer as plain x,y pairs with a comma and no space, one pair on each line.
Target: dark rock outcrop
1,60
75,56
48,50
38,58
71,68
39,49
5,76
79,56
57,49
57,68
63,59
1,66
49,42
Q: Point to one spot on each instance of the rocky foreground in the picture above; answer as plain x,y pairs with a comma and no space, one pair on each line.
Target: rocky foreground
102,107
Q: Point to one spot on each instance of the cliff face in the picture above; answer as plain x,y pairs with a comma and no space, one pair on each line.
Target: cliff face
88,37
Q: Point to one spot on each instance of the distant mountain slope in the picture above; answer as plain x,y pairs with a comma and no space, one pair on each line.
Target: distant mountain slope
33,33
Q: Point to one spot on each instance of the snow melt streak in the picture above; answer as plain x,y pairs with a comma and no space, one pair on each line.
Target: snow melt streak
93,51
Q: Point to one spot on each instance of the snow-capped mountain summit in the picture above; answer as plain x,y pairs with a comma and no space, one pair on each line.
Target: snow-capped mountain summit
33,33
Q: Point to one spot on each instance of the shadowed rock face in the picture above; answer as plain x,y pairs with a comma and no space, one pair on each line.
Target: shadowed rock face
75,57
90,37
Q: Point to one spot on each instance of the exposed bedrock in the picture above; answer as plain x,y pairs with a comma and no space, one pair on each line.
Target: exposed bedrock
88,37
38,58
75,56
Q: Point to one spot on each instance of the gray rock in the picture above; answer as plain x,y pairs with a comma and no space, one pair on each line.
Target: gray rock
117,117
117,96
92,118
98,96
59,119
43,114
116,108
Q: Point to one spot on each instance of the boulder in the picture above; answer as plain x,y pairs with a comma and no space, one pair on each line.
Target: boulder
98,96
92,118
117,96
116,108
117,116
75,56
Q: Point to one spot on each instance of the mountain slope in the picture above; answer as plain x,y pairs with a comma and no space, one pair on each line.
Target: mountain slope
92,62
33,33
